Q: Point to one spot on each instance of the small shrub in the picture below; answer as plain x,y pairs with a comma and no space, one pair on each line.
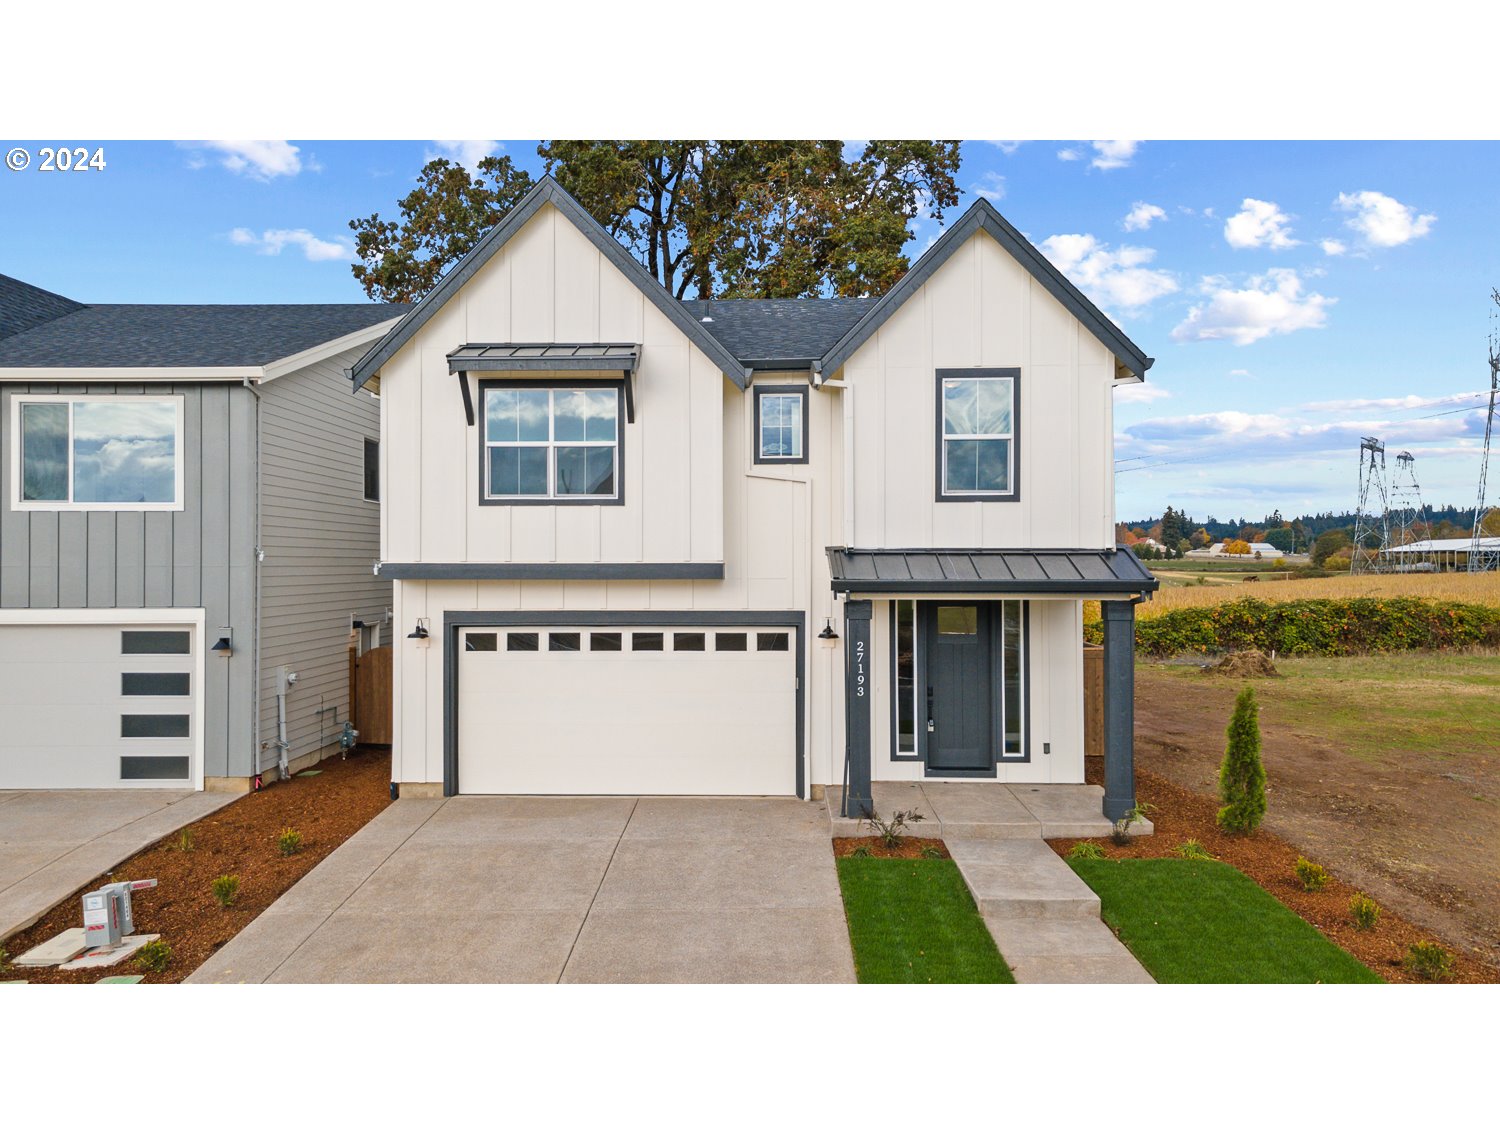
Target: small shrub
225,888
1085,849
1192,849
1429,960
1242,778
289,842
4,961
1365,911
890,831
930,852
861,852
154,956
1119,831
185,841
1311,875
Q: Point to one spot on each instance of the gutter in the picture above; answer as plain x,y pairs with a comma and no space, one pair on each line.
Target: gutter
259,558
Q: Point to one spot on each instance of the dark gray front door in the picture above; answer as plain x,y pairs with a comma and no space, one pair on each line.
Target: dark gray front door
959,714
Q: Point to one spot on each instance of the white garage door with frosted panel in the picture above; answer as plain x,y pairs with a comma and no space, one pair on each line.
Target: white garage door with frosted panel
98,706
644,709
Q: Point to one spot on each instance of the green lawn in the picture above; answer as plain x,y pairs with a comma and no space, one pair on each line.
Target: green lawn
1202,922
912,921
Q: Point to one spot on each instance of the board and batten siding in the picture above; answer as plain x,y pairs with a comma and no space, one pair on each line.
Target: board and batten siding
983,309
321,540
203,555
550,283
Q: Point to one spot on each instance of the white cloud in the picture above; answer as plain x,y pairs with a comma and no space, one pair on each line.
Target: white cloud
1113,277
1141,392
1259,223
1333,247
273,242
1240,373
1069,154
1472,399
991,186
467,153
1007,147
1113,154
1272,304
260,160
1142,215
1382,221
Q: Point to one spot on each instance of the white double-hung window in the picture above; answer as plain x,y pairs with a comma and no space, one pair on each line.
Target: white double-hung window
97,452
977,435
551,444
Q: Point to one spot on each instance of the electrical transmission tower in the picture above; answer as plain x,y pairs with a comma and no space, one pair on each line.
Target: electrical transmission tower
1483,557
1406,519
1368,525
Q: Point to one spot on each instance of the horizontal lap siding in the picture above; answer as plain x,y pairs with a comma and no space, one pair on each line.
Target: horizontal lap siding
321,539
200,556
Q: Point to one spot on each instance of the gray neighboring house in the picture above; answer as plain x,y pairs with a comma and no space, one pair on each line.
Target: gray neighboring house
189,510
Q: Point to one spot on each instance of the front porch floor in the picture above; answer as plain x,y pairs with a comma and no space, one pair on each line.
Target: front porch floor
969,810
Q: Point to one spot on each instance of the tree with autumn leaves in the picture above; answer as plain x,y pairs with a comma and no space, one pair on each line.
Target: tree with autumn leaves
708,219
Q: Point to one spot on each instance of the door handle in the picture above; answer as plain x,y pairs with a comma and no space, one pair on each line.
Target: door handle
931,725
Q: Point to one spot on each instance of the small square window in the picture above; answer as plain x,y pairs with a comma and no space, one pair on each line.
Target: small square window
564,642
781,427
521,642
480,642
729,642
604,642
687,642
771,642
646,642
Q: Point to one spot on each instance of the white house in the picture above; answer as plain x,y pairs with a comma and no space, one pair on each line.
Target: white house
650,546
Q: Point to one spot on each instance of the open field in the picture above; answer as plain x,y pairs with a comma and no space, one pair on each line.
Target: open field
1384,768
1483,589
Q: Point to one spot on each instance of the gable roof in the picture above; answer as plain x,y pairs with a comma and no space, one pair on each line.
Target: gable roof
547,190
777,333
983,216
25,306
138,336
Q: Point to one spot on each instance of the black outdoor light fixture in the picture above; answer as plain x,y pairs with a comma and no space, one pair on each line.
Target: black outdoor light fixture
420,632
224,646
828,634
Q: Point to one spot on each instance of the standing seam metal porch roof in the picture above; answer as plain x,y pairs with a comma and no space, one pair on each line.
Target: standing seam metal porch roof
1001,571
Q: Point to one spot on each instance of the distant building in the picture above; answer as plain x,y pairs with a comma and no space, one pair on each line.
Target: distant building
1262,552
1439,554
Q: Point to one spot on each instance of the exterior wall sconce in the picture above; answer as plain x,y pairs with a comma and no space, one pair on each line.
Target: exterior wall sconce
828,634
420,633
224,646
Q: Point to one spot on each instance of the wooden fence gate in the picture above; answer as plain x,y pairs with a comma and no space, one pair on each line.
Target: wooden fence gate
370,695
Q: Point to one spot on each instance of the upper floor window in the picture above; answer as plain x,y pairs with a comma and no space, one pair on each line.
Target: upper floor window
372,469
97,452
977,438
554,444
781,425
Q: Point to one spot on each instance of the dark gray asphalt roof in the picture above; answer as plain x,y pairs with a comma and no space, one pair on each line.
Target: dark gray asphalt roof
795,330
1007,570
183,335
24,306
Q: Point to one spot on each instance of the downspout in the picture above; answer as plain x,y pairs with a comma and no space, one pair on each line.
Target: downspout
259,557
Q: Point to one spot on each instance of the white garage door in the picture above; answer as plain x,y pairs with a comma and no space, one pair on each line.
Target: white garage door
98,706
640,710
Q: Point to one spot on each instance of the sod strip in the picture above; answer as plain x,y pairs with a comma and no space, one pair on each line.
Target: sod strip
912,921
1203,922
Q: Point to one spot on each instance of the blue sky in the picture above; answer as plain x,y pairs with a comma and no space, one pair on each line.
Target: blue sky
1295,295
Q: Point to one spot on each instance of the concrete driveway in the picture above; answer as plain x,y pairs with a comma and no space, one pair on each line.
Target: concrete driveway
55,842
568,889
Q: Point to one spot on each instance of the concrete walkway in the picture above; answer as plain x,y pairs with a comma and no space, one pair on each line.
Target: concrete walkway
1044,918
568,889
954,810
55,843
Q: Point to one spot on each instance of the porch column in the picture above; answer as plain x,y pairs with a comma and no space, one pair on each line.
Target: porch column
1119,708
857,799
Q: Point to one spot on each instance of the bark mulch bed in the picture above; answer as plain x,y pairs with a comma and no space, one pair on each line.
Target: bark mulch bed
326,807
1179,814
907,847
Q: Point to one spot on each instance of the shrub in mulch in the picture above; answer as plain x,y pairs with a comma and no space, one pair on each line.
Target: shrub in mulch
907,847
1181,815
242,838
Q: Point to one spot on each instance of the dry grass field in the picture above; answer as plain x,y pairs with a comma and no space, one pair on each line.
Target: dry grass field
1458,587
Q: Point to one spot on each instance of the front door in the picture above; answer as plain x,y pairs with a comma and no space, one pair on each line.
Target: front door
959,713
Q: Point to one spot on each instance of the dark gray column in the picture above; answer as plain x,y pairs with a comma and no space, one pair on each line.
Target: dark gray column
857,685
1119,708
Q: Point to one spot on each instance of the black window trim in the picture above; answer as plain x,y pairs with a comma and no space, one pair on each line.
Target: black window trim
621,422
1011,373
757,392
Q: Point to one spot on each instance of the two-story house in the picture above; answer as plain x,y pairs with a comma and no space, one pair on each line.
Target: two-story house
189,507
649,546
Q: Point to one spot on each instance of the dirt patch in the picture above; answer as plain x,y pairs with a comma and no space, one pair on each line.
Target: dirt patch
327,805
908,847
1246,665
1415,831
1180,815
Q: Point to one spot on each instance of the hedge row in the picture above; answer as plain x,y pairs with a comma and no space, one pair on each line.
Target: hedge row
1316,627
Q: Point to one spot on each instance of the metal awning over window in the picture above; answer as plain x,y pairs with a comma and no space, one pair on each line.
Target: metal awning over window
544,357
1005,571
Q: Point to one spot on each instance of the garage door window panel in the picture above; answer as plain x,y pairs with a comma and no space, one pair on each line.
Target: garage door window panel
551,444
156,642
155,726
98,453
156,683
522,642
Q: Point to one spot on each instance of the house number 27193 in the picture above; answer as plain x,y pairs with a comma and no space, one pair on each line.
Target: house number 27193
859,668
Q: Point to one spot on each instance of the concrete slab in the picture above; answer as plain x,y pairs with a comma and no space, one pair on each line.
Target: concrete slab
663,874
1078,970
260,948
890,797
980,811
64,947
99,958
136,979
54,844
1022,879
718,818
462,820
